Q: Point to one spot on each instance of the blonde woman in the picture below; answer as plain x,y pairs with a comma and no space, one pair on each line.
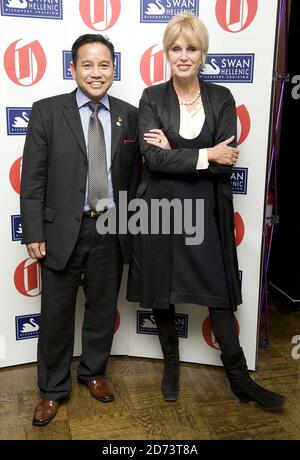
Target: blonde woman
188,139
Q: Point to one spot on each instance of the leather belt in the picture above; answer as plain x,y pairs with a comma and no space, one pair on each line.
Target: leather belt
95,214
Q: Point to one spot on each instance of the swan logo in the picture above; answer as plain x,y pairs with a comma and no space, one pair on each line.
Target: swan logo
27,326
229,68
164,10
154,68
100,14
16,228
244,123
15,175
27,278
208,334
239,228
236,15
25,65
67,58
145,323
50,9
239,180
17,120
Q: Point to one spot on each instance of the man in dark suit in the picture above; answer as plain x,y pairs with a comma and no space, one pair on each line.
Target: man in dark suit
60,199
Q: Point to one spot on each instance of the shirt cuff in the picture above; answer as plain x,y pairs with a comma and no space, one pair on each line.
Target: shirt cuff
202,162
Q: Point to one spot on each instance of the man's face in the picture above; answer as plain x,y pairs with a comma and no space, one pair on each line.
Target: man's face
94,70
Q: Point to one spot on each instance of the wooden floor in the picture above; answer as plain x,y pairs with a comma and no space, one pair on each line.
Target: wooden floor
206,408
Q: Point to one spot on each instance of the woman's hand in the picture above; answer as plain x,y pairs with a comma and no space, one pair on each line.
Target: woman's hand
223,154
157,137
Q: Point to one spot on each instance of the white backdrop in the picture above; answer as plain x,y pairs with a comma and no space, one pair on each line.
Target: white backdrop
36,37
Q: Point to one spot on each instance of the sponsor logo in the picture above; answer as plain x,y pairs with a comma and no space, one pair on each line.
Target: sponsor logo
15,175
229,68
25,65
27,326
239,180
17,120
27,278
16,228
153,66
41,9
236,15
239,228
100,14
146,324
244,123
67,58
164,10
117,74
208,334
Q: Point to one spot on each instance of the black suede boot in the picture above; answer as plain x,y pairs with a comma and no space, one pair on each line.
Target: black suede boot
170,381
244,387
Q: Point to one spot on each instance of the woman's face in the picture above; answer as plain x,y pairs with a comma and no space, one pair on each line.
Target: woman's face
184,59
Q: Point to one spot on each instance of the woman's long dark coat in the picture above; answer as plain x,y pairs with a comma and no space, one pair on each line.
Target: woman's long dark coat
150,271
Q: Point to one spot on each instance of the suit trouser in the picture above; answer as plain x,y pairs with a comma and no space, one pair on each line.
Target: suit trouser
99,256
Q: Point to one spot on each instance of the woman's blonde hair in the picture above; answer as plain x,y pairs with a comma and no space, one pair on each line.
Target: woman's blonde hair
193,31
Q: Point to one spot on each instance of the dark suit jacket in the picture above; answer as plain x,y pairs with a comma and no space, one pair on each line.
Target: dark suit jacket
150,271
54,172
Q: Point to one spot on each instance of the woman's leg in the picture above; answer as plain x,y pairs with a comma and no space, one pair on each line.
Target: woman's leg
168,337
224,329
223,324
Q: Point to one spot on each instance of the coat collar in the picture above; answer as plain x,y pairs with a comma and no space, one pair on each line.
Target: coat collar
71,113
117,121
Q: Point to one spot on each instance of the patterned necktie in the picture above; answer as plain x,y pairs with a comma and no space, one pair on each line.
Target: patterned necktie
97,172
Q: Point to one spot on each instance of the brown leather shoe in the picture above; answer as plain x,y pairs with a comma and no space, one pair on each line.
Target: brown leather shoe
44,412
100,390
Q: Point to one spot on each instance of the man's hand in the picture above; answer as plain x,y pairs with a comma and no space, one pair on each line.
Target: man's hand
37,250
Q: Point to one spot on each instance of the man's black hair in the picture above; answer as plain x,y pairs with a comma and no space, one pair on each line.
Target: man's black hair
91,38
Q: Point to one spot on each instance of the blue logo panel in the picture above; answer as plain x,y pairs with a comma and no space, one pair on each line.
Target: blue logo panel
229,68
67,58
146,323
27,326
40,9
164,10
17,120
16,228
239,180
117,75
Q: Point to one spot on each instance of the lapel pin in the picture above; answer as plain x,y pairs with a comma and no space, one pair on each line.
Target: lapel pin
119,121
